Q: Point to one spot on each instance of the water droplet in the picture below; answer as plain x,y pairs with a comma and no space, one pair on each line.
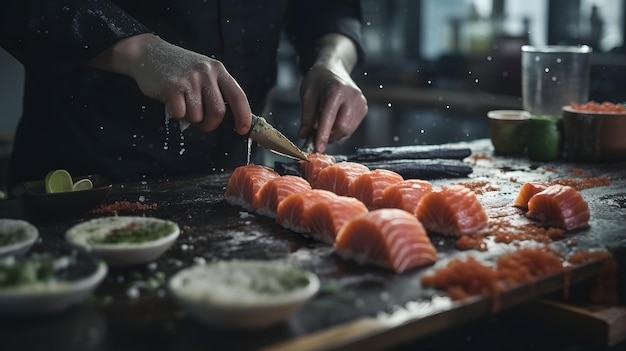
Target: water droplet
429,82
469,73
547,69
364,73
476,80
422,131
380,86
389,104
447,106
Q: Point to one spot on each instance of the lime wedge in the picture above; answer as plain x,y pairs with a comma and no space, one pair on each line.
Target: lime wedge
83,184
58,181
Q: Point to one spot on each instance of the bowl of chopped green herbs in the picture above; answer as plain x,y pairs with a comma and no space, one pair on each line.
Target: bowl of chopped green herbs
124,240
45,283
16,237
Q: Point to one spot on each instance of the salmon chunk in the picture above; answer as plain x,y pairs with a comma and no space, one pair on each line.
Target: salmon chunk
338,177
245,182
326,218
290,212
405,195
391,238
527,191
266,200
368,187
559,206
453,210
314,166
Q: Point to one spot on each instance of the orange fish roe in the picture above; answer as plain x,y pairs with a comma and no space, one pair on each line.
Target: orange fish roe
504,231
593,106
472,241
123,206
526,265
461,279
585,183
579,257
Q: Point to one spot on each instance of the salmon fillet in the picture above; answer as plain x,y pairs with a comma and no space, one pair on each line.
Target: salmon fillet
527,191
326,218
559,206
244,183
368,187
391,238
453,210
266,200
405,195
316,163
290,212
337,178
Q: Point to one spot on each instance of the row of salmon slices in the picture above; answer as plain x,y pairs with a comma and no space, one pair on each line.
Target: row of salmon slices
371,216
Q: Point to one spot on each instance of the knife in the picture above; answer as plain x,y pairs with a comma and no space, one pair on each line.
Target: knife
270,138
267,136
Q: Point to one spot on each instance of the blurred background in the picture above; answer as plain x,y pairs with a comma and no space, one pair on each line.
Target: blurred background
433,67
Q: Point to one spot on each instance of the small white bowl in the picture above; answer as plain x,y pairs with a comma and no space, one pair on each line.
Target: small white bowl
28,236
124,253
243,295
48,297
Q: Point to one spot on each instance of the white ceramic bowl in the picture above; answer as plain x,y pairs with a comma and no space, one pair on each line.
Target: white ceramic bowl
54,296
28,234
243,294
123,253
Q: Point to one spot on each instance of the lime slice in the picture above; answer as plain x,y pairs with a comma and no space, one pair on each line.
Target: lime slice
58,181
83,184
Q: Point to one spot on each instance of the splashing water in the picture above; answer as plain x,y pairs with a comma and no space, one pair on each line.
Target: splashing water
249,152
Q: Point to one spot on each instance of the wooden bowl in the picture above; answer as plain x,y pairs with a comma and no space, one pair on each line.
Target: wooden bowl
38,204
594,136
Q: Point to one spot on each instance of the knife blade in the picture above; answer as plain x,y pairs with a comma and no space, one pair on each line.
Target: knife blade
270,138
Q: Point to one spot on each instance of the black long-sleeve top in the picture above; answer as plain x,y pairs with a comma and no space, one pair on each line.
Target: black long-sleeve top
89,121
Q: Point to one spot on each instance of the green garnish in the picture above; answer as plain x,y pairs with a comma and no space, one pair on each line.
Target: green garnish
286,281
28,271
135,233
12,237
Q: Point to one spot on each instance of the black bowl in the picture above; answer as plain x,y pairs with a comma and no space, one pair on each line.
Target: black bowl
38,204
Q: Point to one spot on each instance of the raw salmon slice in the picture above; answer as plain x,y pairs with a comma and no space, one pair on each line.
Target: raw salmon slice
337,178
453,210
527,191
316,163
405,195
559,206
266,200
290,211
326,218
368,187
388,237
245,182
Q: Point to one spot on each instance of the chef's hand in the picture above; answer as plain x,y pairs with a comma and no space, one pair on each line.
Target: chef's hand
193,87
331,100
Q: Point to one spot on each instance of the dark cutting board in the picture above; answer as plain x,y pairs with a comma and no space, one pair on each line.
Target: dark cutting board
358,306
